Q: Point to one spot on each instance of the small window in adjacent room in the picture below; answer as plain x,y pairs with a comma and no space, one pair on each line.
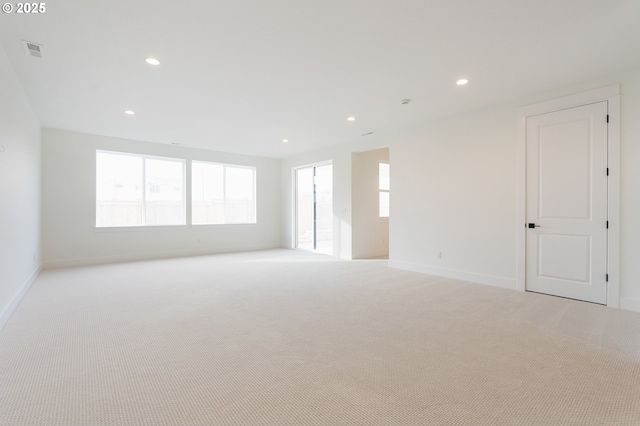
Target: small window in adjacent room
139,190
383,187
222,194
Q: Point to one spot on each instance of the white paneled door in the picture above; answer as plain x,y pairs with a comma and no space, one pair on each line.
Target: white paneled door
567,203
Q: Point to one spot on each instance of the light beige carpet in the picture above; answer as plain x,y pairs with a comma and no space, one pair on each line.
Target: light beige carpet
290,338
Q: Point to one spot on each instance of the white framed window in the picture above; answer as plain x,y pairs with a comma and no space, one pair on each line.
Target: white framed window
383,188
139,190
222,194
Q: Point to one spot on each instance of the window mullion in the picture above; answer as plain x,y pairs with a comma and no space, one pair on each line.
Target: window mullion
144,191
224,194
186,195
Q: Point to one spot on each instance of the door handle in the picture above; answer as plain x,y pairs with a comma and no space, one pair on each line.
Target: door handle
533,225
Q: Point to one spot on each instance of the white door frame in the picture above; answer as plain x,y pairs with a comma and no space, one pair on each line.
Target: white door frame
611,94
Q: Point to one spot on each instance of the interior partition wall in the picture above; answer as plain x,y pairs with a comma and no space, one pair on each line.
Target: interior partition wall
314,208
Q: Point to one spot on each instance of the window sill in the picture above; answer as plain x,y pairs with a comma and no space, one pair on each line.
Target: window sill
217,225
138,228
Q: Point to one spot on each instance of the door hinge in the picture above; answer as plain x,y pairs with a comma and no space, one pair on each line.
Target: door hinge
607,224
607,118
607,277
607,171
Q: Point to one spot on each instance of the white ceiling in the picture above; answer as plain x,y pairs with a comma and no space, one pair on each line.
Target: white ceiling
241,75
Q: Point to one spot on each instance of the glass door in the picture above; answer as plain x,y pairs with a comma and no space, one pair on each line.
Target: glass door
314,208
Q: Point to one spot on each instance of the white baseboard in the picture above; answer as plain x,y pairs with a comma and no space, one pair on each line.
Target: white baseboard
103,260
8,310
630,304
458,275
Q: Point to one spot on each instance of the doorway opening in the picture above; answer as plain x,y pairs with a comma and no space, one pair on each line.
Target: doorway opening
370,190
314,208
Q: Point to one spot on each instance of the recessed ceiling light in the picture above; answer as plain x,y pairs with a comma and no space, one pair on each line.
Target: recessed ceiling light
152,61
462,82
285,140
129,112
351,119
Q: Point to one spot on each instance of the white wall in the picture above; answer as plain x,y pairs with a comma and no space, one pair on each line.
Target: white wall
68,202
19,191
454,191
630,191
370,232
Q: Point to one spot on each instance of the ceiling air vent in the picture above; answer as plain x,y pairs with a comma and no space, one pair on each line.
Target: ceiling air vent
33,49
